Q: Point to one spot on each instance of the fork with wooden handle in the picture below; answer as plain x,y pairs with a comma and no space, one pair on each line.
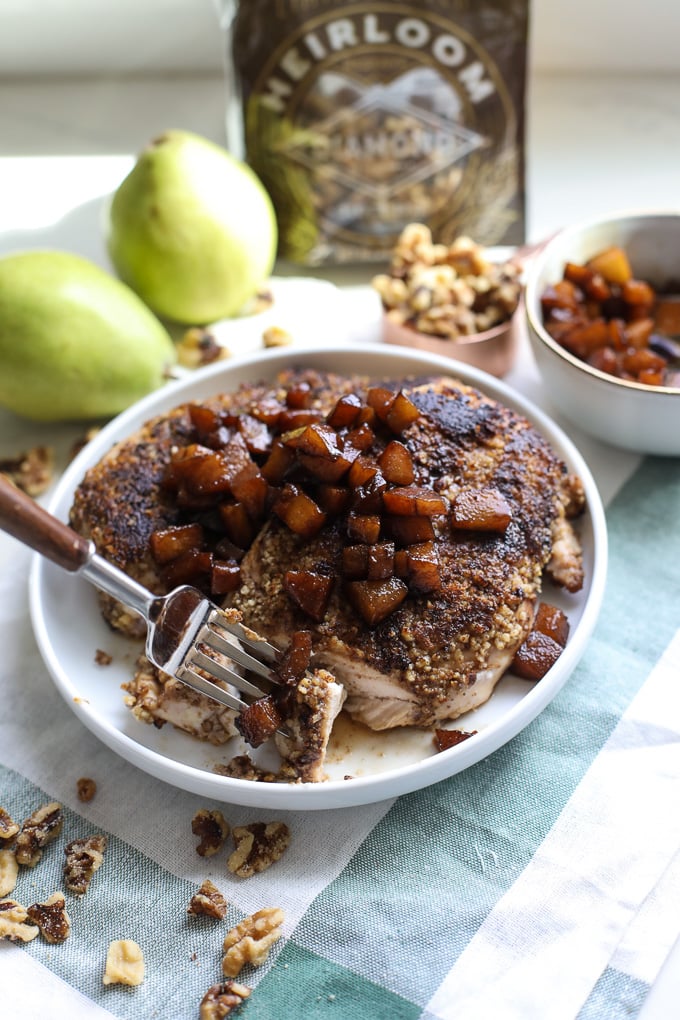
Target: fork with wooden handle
188,636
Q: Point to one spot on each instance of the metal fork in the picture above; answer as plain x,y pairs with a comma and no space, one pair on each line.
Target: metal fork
188,636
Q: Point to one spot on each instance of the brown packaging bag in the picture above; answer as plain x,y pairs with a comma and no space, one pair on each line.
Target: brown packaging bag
362,117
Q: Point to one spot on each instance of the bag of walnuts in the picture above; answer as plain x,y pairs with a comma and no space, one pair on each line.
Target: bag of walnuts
362,117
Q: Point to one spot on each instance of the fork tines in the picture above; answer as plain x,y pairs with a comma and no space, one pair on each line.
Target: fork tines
212,646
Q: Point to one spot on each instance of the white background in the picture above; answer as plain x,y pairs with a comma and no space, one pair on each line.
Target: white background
44,37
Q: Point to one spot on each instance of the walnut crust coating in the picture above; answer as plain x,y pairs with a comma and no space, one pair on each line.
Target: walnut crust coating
433,649
437,642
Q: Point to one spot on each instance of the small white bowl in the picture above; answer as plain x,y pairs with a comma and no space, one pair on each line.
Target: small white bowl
631,415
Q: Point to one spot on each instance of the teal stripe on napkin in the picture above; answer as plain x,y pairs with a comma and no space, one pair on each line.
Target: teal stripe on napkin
616,996
426,877
303,984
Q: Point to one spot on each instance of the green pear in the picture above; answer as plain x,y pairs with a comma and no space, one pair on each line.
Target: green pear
75,342
192,230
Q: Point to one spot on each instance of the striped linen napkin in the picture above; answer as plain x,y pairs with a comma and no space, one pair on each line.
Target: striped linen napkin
542,882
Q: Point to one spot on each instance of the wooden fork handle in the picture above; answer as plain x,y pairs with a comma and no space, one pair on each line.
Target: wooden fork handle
24,519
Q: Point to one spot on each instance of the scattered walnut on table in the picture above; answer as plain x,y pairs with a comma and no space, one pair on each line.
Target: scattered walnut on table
14,922
39,829
199,346
9,871
275,336
83,857
8,827
251,939
86,788
51,918
212,829
208,900
221,1000
124,963
258,846
31,471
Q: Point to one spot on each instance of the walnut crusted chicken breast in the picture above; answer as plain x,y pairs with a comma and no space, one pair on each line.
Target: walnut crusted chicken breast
443,648
439,654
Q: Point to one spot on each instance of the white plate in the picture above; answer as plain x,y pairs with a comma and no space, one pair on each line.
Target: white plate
69,628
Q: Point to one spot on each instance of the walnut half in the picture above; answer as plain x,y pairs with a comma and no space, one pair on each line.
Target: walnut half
212,829
257,847
251,939
14,922
208,900
83,857
124,964
9,871
221,1000
51,918
39,829
8,827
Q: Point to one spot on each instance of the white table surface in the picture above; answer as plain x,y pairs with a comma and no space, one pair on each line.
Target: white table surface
595,145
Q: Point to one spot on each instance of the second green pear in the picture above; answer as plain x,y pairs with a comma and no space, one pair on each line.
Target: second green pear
192,230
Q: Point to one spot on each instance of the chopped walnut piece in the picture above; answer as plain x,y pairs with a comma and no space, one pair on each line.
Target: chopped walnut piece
83,857
124,964
200,347
8,827
251,940
221,1000
257,847
51,918
14,923
212,828
208,900
9,871
446,291
275,336
242,766
86,789
102,658
39,829
30,471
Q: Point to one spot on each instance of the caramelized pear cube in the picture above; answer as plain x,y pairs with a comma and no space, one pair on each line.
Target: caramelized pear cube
409,530
481,510
192,567
363,527
345,412
250,488
258,721
278,463
375,600
612,264
309,591
535,656
402,413
298,511
169,543
237,524
380,561
295,659
414,501
355,562
396,464
225,576
551,621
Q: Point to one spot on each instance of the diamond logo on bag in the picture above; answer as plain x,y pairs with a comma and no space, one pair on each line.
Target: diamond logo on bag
389,136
